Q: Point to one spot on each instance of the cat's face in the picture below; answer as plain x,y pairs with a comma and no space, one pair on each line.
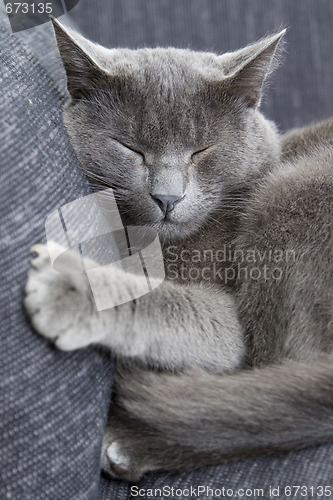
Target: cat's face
175,133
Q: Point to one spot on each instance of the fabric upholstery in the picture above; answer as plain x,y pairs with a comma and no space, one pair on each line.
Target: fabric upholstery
53,405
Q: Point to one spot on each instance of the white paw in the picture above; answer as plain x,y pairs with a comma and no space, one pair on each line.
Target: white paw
115,461
60,304
119,458
116,456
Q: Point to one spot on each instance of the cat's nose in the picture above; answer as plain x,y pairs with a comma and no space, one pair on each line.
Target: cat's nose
166,202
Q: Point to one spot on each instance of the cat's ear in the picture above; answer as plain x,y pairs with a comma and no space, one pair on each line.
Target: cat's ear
80,60
248,68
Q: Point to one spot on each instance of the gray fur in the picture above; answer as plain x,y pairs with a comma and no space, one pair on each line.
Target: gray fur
213,364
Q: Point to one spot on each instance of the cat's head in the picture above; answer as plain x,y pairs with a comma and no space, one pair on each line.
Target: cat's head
175,133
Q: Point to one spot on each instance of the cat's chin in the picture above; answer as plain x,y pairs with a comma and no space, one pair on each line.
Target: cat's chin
171,232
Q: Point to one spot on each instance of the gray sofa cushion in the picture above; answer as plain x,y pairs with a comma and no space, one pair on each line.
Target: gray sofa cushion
53,405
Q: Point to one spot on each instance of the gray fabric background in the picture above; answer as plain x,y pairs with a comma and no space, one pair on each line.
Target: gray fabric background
53,405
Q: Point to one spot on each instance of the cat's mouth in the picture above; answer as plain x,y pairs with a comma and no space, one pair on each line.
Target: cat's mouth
170,229
167,219
170,226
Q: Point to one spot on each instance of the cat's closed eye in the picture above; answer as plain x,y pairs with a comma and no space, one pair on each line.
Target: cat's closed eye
132,149
199,154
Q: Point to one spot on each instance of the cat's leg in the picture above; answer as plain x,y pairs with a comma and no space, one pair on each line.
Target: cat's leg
123,439
171,327
186,420
303,141
131,446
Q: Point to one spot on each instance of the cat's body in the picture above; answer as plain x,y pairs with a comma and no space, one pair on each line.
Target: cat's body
245,221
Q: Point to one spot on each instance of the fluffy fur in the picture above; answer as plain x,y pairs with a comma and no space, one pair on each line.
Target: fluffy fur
231,356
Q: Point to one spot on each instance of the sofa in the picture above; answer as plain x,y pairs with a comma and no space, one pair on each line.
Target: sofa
54,405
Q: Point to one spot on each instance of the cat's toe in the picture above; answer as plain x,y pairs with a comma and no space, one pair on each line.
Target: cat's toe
120,465
60,305
41,256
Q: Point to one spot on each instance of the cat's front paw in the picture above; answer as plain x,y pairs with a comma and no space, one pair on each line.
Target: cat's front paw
60,304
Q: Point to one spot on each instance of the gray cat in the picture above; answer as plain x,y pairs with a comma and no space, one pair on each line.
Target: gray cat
231,356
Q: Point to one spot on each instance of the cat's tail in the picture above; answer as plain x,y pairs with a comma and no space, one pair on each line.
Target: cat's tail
200,418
